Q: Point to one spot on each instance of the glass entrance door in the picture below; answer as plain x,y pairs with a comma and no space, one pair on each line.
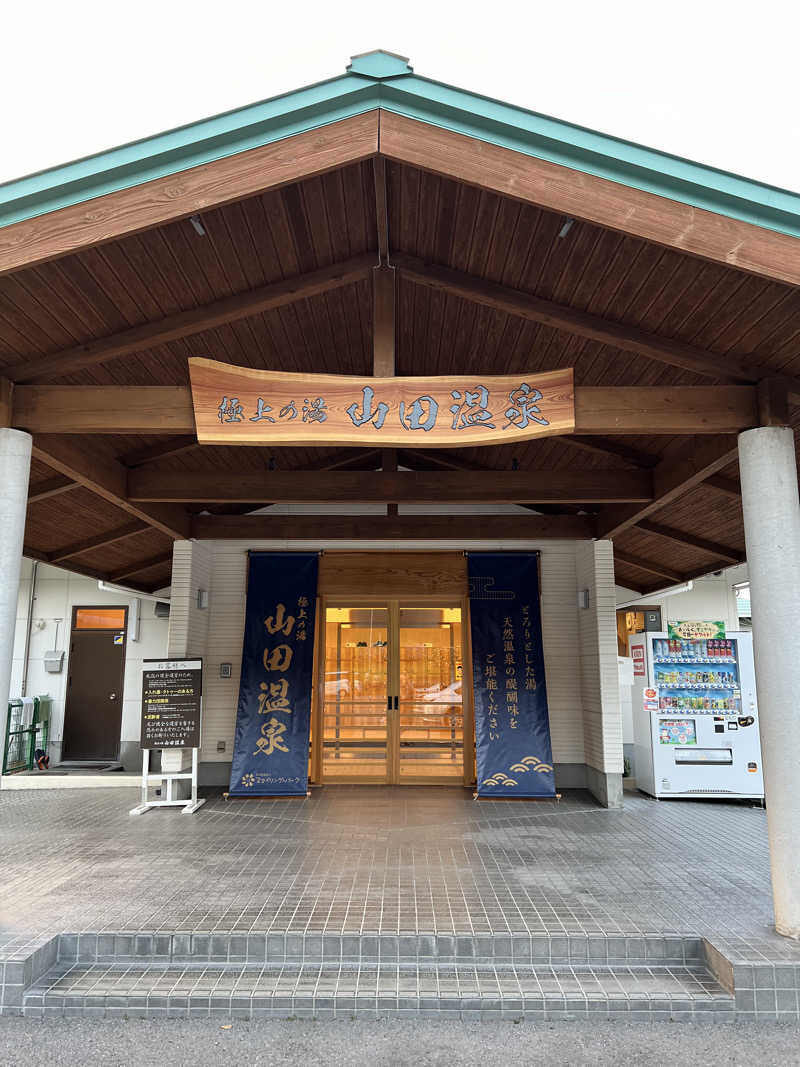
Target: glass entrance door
392,699
430,716
355,695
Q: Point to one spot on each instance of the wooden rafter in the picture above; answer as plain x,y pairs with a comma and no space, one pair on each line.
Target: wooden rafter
196,320
50,488
141,565
669,533
729,486
89,544
651,566
108,479
390,486
583,323
608,446
173,447
385,528
599,410
674,476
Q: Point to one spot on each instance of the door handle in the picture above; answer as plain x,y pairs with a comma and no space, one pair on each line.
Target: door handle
112,696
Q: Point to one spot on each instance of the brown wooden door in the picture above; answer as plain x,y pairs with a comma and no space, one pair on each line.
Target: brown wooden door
93,709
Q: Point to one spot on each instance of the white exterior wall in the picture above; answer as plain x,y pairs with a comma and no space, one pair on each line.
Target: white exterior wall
572,658
709,598
57,592
599,672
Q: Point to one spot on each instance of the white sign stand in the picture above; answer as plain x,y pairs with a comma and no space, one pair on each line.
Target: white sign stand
188,807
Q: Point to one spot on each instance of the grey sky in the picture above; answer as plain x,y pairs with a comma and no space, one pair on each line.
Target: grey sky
710,80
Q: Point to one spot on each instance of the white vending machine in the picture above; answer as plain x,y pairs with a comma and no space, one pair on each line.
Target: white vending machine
695,717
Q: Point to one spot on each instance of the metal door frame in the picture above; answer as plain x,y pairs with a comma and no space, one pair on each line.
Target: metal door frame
393,606
96,630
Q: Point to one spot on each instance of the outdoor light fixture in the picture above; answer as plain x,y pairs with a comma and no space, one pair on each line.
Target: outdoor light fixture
197,225
583,599
658,594
566,228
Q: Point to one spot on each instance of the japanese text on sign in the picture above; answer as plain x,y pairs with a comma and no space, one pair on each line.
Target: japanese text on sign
234,405
171,695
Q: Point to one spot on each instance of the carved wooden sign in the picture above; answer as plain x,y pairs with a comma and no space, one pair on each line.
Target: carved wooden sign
237,405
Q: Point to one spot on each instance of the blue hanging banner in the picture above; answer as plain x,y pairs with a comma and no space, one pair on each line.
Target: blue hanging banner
273,718
512,729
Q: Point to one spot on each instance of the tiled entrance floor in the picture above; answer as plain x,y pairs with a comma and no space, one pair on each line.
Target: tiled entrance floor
506,891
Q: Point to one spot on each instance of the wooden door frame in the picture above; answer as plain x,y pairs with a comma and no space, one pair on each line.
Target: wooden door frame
393,605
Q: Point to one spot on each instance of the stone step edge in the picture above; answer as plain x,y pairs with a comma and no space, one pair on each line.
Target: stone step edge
296,947
273,987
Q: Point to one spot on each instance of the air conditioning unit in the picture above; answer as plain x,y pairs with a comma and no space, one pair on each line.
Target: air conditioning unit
161,609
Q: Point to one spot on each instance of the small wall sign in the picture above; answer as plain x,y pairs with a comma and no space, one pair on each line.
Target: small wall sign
696,631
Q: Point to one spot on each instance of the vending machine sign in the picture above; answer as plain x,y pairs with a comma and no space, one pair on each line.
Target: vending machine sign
651,700
696,631
171,692
637,653
677,732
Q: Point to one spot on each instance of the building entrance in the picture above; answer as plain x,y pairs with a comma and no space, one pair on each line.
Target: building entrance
93,706
394,708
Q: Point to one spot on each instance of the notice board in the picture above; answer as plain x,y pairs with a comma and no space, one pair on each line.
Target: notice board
171,695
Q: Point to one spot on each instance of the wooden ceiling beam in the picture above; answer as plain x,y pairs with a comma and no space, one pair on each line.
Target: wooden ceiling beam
729,486
457,528
52,487
195,320
388,486
89,544
200,188
584,324
108,479
141,565
650,566
599,410
669,533
383,322
381,208
606,446
674,476
576,194
173,447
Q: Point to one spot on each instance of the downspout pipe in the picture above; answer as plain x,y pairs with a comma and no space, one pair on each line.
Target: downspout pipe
31,598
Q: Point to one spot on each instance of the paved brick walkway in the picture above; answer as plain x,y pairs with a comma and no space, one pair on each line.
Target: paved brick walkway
354,860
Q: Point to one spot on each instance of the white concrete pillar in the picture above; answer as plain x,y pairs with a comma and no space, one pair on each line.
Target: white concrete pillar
772,536
15,469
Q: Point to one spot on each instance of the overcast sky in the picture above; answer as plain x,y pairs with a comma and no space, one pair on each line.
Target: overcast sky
709,80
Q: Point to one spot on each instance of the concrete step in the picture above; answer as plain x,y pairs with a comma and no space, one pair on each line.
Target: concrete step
153,987
309,946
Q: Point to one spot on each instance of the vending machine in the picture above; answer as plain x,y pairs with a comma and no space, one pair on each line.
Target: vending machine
695,718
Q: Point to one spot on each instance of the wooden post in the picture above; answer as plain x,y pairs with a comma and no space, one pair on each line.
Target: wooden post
383,310
773,402
389,463
6,401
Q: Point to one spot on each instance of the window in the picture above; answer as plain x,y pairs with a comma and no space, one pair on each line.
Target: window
99,619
